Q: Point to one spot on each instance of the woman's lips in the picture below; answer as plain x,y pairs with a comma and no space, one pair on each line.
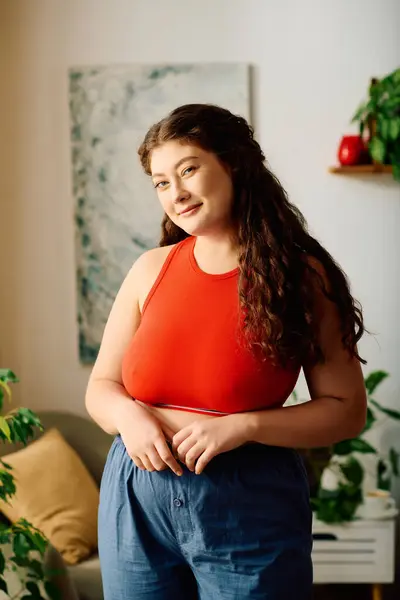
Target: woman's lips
190,210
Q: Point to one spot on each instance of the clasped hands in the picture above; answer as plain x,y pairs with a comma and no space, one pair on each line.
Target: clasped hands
153,446
199,442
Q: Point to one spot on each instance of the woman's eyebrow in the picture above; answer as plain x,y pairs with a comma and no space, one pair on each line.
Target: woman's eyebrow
178,164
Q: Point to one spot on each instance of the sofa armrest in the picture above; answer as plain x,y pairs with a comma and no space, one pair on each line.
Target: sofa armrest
59,574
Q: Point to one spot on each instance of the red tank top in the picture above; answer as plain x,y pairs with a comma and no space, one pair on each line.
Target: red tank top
187,353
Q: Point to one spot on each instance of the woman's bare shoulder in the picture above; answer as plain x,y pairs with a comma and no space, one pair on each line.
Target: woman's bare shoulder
152,259
147,268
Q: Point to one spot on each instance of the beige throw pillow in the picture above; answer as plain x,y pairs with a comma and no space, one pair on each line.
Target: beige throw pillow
57,494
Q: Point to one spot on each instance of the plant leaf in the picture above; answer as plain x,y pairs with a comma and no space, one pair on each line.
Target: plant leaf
20,561
377,149
370,420
340,508
396,172
6,465
353,445
394,461
21,546
396,75
5,428
6,388
353,471
52,590
6,375
7,485
384,127
383,475
2,563
392,103
359,112
34,536
390,412
374,379
36,568
394,129
33,588
3,586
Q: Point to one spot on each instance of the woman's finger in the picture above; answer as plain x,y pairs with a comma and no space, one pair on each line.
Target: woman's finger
165,453
192,455
184,447
156,460
180,436
138,463
203,461
168,432
148,465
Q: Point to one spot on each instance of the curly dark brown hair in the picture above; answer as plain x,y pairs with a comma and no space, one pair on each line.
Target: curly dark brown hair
280,264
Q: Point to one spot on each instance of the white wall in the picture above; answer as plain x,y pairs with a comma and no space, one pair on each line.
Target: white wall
312,63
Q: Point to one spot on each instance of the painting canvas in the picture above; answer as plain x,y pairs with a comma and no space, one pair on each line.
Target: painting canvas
117,214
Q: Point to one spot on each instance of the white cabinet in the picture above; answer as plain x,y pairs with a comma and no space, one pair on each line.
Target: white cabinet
358,552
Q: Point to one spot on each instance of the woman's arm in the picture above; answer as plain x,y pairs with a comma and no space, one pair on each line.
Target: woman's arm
337,409
106,399
323,421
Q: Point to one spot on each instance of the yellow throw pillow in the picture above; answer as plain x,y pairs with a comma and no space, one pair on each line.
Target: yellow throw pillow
57,494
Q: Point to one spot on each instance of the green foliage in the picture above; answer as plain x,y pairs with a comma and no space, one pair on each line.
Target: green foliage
394,461
383,107
335,506
370,420
27,543
353,471
383,475
373,380
340,504
353,445
389,412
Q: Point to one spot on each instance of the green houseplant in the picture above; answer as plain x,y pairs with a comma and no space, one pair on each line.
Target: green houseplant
338,471
28,545
380,116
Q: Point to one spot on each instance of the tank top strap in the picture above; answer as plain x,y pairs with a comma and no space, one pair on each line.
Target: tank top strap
176,249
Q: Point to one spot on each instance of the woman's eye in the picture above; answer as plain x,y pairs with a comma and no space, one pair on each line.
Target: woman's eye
188,170
160,184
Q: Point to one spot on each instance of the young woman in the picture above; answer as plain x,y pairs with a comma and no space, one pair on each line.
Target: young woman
203,495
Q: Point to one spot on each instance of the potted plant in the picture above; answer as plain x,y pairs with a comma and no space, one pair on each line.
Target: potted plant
27,545
379,115
337,471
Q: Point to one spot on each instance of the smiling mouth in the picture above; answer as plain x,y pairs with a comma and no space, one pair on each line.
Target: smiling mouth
190,209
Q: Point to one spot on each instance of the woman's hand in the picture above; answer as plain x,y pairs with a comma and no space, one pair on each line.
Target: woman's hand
145,439
202,440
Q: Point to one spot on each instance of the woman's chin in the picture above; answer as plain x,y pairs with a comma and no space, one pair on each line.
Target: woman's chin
192,226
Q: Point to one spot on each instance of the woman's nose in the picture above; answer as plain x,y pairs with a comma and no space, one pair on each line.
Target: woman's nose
179,194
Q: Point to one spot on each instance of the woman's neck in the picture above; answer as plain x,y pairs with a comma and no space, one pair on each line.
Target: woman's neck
216,254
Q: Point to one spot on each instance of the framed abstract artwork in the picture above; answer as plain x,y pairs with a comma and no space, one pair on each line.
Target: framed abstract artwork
117,214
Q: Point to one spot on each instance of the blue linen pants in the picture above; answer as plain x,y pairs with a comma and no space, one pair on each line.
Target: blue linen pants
241,530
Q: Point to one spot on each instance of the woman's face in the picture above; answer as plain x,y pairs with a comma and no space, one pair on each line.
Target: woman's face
194,188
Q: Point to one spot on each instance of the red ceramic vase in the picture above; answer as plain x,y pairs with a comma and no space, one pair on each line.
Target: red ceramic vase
351,150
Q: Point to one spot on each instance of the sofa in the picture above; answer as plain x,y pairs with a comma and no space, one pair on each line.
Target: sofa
81,581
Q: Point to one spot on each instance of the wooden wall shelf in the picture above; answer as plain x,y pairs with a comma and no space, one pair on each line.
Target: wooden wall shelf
361,169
